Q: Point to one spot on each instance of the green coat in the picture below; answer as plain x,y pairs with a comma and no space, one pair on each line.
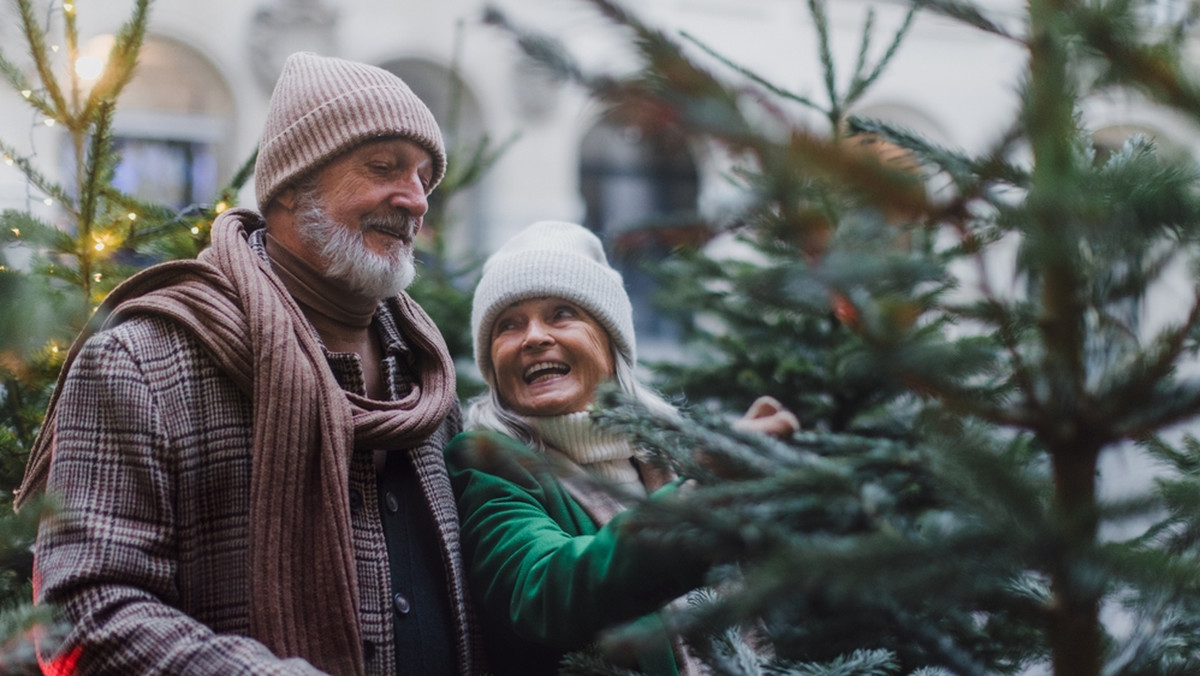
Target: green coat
547,578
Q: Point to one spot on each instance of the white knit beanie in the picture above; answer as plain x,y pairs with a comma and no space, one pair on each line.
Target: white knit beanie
552,258
323,106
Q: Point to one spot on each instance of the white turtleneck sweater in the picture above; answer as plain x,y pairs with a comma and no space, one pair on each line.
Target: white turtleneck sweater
605,455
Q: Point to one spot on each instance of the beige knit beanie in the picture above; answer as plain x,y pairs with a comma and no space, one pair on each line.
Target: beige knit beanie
323,106
552,258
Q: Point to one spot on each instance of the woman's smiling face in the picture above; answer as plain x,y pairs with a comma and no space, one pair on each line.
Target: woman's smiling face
549,355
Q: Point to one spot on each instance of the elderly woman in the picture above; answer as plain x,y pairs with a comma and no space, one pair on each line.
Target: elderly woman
546,555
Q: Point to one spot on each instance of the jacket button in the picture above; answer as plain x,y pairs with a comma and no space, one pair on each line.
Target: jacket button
393,504
356,501
401,603
368,650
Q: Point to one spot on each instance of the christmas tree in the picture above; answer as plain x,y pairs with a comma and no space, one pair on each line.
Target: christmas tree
56,269
942,512
74,261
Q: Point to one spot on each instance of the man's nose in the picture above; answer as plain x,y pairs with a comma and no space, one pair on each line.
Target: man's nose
408,193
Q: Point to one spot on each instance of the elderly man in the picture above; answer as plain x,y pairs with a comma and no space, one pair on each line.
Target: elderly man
247,447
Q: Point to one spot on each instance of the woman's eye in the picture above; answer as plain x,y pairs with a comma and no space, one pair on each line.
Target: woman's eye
565,312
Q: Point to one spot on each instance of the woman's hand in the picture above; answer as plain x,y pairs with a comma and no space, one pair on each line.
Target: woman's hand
768,416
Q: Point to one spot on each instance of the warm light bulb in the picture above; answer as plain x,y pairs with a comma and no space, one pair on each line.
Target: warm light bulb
96,277
16,232
8,160
132,216
54,48
89,67
221,206
26,93
99,246
68,7
195,230
49,121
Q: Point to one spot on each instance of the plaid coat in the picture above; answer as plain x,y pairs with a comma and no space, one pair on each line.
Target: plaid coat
149,558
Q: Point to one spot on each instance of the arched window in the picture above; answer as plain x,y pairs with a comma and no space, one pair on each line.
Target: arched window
640,193
173,125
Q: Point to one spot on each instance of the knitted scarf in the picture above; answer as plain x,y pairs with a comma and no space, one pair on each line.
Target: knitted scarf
606,455
303,591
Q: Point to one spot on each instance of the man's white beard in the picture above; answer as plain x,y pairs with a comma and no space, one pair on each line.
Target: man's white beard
345,254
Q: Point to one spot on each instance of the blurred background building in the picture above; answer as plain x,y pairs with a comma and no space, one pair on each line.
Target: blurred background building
193,113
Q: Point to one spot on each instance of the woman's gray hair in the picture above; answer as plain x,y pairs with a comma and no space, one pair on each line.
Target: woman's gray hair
486,412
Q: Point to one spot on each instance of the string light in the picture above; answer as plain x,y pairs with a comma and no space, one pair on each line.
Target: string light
89,67
47,201
99,246
26,93
195,230
54,348
54,48
68,7
96,277
49,121
221,206
8,160
132,216
16,232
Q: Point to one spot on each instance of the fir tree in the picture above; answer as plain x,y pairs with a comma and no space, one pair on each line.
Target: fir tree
97,237
949,515
75,262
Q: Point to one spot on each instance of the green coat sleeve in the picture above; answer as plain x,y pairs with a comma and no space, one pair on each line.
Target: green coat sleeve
536,559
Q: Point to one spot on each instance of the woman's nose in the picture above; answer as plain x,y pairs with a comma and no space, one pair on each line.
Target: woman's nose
537,334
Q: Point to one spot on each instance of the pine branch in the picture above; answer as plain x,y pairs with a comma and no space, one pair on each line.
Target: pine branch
859,84
71,37
965,12
1137,383
816,8
240,178
1152,69
24,227
753,76
483,157
40,51
16,77
1168,405
964,170
864,47
121,63
97,168
37,178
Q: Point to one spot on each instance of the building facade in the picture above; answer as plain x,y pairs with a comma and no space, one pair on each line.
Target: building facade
194,111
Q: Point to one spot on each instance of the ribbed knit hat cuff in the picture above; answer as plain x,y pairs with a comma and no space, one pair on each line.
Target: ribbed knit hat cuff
538,273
